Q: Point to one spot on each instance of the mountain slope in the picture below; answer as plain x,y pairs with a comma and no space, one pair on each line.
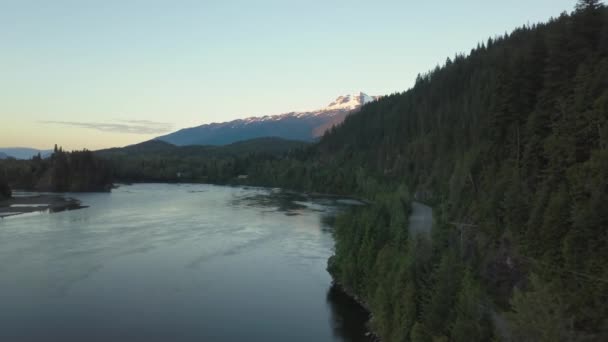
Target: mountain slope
510,144
305,126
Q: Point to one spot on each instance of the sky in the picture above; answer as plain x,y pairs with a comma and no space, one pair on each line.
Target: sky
97,74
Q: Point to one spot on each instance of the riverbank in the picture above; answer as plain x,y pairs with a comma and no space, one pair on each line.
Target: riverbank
345,273
22,204
373,337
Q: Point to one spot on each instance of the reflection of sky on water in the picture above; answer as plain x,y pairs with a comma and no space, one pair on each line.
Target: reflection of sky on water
171,262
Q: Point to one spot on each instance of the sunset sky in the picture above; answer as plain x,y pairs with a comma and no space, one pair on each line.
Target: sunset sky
95,74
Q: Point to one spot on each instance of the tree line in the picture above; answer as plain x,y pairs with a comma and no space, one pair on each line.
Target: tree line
62,171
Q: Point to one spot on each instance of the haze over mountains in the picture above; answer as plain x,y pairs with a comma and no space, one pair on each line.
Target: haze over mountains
22,152
304,126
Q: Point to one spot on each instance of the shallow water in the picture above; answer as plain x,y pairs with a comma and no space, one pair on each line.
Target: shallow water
159,262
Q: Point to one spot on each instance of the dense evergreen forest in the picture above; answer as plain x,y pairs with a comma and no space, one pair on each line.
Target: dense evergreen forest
150,161
74,171
159,161
509,144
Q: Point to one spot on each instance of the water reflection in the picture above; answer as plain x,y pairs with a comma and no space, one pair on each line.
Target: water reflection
158,262
348,318
284,201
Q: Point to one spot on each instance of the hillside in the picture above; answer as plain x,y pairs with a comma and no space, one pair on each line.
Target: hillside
266,145
304,126
156,160
509,143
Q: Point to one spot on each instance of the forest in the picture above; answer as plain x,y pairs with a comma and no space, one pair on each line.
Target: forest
150,161
509,144
75,171
159,161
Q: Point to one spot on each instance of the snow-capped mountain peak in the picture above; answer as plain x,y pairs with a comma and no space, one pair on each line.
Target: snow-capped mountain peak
350,101
303,125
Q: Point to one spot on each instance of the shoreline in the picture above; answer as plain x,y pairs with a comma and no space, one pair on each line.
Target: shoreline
51,203
370,332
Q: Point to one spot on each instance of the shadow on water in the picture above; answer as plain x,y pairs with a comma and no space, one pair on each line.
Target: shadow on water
328,222
70,205
26,203
348,318
283,201
292,203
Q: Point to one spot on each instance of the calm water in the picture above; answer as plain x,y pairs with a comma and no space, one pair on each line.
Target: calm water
158,262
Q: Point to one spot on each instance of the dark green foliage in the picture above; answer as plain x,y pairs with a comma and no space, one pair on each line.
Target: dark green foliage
443,294
377,262
539,314
158,161
414,291
62,172
471,321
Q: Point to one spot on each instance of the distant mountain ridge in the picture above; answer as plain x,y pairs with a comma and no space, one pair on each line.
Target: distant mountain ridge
304,126
22,152
265,145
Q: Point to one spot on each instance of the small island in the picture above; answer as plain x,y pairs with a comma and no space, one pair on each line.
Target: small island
76,171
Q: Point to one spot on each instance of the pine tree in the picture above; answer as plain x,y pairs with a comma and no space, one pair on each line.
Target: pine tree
588,5
470,322
540,314
438,308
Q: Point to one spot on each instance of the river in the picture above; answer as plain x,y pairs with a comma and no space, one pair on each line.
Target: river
160,262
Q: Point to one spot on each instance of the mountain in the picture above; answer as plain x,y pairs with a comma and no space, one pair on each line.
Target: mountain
4,155
150,146
305,126
23,152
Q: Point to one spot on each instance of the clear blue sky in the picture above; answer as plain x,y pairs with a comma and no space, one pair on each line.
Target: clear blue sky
117,72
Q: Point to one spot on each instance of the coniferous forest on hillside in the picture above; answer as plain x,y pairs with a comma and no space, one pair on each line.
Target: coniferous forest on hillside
509,145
